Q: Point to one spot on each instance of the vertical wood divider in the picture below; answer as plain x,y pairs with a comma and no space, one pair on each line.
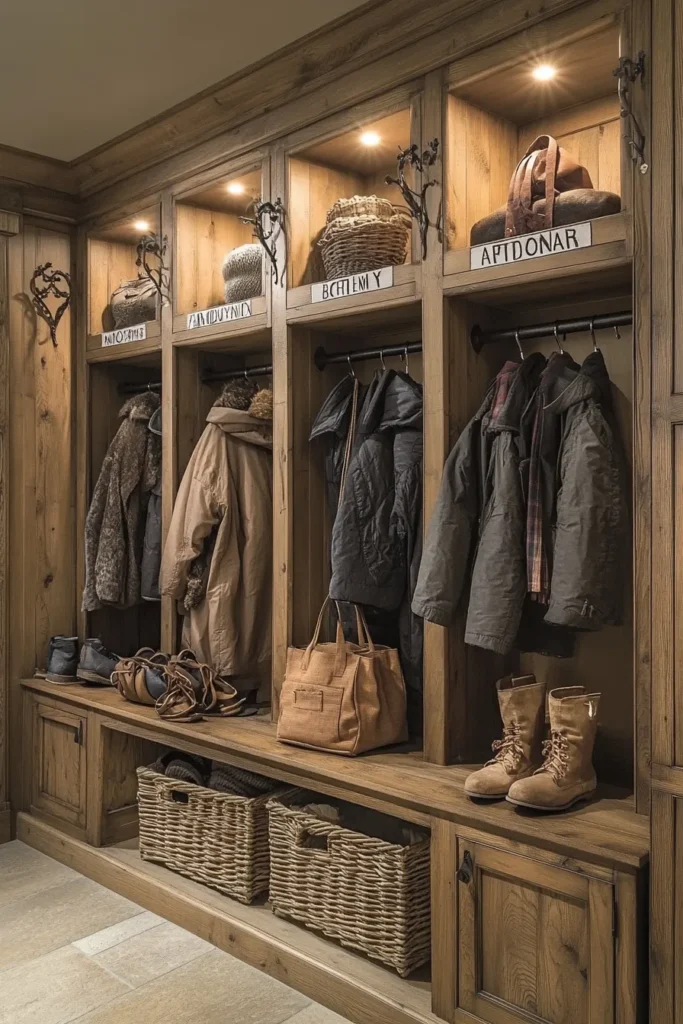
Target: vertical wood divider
169,424
437,696
9,225
282,446
640,192
82,421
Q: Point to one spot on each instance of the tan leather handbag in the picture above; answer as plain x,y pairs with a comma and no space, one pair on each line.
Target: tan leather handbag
342,697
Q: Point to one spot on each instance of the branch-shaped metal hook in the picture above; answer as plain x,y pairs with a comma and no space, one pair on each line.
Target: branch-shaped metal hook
627,73
269,223
153,245
50,287
417,201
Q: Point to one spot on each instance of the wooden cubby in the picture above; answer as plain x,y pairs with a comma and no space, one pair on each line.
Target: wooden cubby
112,255
568,887
110,384
339,166
495,109
208,226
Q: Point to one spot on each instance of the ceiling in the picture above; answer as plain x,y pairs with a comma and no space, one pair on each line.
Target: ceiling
76,74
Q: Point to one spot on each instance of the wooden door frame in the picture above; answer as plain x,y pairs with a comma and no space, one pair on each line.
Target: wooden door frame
10,224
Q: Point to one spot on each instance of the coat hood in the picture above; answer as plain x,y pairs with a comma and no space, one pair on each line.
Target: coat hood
333,417
515,385
568,383
242,426
394,403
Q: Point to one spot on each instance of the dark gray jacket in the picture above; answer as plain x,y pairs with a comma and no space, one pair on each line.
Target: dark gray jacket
482,501
479,520
588,521
151,548
376,539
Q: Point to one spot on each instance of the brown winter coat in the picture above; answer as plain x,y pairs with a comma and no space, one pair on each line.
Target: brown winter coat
115,523
226,500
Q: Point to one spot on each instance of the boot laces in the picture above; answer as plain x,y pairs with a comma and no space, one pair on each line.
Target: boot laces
556,754
508,751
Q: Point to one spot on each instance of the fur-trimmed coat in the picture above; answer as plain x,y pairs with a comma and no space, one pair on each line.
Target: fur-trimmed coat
115,524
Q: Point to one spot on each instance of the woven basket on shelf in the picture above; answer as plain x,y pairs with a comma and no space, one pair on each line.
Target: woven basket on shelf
371,895
364,233
214,838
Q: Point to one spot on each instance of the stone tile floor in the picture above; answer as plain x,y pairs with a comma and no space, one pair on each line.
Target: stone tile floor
71,950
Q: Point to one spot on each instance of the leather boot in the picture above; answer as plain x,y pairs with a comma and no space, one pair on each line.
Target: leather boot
518,753
567,774
62,659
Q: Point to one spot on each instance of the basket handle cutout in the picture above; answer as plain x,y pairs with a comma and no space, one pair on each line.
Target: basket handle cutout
178,796
308,841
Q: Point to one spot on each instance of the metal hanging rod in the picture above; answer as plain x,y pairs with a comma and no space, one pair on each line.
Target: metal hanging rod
579,325
323,358
133,388
218,376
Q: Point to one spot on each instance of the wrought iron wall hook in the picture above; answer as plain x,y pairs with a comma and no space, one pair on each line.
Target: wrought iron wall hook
417,201
627,73
152,245
50,287
269,224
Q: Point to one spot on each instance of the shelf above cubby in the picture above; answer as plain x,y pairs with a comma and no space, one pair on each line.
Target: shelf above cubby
239,320
99,351
355,297
608,248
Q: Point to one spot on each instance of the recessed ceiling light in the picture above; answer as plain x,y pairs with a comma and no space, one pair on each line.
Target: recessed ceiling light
236,188
141,225
370,139
544,72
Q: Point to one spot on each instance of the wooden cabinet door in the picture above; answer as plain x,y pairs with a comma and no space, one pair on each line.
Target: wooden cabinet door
59,777
535,942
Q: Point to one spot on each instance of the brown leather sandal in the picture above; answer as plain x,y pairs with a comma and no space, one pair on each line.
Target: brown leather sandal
142,679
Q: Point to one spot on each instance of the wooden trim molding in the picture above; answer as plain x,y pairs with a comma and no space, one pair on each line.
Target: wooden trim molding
10,223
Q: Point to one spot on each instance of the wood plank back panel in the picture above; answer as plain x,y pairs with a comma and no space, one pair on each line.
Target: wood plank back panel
110,264
204,238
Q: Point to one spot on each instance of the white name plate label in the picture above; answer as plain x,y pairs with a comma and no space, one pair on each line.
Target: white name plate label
124,335
356,284
219,315
530,247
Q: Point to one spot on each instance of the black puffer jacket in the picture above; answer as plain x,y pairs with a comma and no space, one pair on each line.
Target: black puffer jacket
376,538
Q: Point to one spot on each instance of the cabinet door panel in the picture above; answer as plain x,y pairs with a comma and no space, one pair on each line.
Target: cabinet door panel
59,777
535,942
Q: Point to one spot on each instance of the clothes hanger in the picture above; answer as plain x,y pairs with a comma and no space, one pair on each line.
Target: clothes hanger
519,345
351,369
592,330
557,340
381,359
405,360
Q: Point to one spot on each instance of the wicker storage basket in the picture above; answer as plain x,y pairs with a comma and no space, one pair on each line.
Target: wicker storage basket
371,895
364,233
214,838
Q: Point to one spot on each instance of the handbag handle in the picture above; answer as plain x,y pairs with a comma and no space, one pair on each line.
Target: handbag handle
364,638
520,196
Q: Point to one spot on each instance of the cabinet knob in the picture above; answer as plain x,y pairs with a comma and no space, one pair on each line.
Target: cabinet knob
466,869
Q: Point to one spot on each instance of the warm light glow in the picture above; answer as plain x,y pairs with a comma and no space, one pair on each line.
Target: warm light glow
544,72
236,188
141,225
370,139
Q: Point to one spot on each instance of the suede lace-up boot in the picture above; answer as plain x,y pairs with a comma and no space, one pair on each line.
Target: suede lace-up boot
62,659
518,753
567,774
96,663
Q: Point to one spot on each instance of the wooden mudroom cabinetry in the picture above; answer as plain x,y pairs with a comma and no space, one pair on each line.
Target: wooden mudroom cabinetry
534,919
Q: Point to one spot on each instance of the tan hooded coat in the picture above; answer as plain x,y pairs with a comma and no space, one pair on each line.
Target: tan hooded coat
226,498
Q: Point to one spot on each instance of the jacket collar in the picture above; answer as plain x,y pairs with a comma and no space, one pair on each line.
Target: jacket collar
520,381
395,403
333,417
567,383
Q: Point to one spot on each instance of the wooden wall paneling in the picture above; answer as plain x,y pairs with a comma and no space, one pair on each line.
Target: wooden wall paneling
665,257
172,401
82,433
41,477
11,229
283,443
111,263
665,809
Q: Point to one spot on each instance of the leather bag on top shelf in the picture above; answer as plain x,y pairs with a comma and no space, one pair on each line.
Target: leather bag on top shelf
133,302
548,189
342,697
